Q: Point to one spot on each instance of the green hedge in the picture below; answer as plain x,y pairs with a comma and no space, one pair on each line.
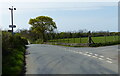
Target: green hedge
13,50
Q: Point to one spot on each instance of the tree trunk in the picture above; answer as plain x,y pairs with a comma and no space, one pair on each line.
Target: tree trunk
43,35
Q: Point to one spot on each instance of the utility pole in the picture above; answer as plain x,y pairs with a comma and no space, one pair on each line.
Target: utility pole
12,26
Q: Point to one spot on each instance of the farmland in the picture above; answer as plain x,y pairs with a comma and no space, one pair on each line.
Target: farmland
102,39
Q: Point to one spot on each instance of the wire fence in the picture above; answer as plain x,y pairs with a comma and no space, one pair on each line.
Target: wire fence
101,39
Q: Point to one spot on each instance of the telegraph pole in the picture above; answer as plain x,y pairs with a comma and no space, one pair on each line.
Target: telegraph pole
12,26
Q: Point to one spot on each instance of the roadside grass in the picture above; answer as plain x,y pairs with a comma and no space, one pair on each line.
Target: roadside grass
13,63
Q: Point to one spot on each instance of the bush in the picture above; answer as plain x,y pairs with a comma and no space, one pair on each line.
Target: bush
24,40
13,49
39,41
105,44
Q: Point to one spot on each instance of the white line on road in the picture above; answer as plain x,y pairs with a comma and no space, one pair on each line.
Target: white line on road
109,58
85,54
91,54
101,58
88,55
108,61
80,53
94,56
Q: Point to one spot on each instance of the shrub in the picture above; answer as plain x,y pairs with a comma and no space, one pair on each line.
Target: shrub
38,41
13,49
105,44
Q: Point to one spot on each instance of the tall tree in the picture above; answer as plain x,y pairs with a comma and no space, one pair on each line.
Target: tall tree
42,25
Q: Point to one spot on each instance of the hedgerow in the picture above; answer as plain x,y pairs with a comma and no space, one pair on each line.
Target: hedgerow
13,50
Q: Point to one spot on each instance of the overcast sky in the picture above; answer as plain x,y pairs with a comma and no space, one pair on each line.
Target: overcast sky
69,15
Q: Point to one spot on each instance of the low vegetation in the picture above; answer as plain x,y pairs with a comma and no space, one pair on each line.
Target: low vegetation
105,44
13,50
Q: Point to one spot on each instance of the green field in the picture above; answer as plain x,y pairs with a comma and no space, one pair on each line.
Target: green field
102,39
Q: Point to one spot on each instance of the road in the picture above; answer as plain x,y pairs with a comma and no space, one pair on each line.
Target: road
50,59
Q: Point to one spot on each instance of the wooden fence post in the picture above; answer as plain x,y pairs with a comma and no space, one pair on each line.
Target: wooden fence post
105,38
80,39
89,38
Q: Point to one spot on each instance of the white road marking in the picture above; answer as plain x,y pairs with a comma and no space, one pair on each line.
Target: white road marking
85,54
101,58
108,61
94,56
80,53
109,58
90,53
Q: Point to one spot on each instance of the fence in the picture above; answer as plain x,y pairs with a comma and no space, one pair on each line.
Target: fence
88,39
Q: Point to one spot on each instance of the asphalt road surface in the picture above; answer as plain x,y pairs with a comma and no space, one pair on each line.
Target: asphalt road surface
50,59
